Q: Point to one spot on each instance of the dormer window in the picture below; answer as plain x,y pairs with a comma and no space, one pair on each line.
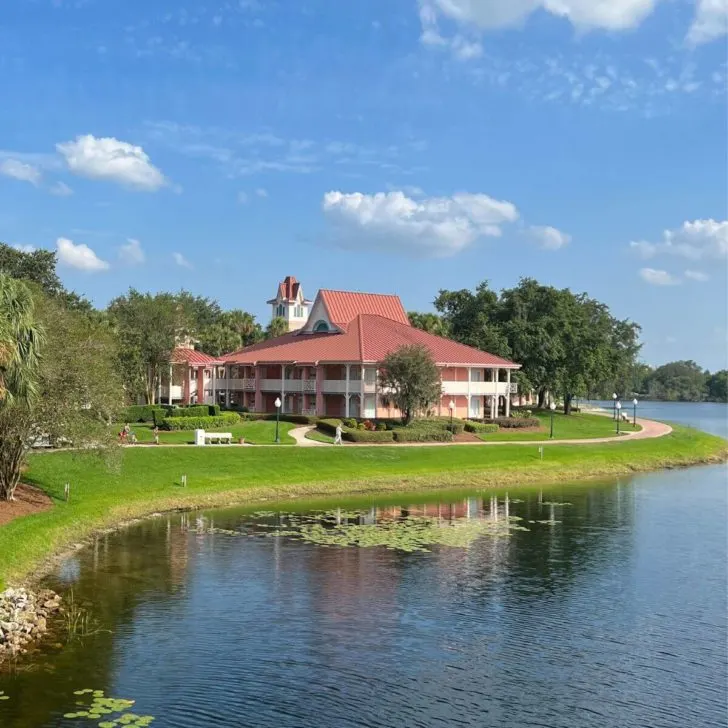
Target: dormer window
320,327
280,310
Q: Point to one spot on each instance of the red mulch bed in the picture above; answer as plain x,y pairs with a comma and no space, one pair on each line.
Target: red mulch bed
27,500
465,437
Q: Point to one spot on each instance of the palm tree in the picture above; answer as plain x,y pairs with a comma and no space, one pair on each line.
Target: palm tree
277,327
20,342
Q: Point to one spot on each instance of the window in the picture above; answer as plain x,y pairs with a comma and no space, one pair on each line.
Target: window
370,376
320,326
280,310
298,312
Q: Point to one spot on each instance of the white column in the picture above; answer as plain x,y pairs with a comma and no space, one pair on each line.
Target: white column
170,385
213,384
159,385
470,379
227,370
495,377
283,388
346,401
508,395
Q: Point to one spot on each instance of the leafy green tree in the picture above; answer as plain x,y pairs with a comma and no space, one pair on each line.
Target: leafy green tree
474,318
430,322
718,386
148,327
277,327
233,330
412,375
20,340
39,267
73,390
682,381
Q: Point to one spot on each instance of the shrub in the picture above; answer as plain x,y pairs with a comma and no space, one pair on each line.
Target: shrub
214,410
298,419
328,426
368,436
349,422
228,419
521,413
414,434
456,427
192,410
381,427
512,423
481,428
142,412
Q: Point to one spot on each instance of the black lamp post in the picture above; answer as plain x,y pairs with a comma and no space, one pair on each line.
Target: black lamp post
278,417
634,419
552,407
618,410
614,405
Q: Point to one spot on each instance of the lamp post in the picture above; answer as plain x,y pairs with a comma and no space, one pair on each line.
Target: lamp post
634,419
618,410
614,405
451,406
278,417
552,407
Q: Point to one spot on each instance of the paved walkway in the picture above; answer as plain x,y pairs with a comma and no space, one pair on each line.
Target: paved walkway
299,435
650,429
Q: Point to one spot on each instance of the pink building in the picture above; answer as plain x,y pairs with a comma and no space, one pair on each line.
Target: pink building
190,378
330,365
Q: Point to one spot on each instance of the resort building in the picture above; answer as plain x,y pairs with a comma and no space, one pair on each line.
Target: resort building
329,363
190,378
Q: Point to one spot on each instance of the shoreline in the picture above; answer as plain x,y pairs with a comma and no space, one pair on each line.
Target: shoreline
29,554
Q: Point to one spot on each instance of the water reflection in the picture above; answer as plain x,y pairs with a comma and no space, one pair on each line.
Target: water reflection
554,615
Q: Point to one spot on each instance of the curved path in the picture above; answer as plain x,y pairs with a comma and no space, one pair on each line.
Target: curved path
650,429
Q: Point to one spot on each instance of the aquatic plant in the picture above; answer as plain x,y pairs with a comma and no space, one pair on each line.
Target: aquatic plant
77,620
114,711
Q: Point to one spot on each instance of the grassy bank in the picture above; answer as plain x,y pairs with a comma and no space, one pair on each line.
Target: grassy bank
577,426
255,432
148,479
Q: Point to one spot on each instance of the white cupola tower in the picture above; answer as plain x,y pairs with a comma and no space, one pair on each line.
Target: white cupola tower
290,303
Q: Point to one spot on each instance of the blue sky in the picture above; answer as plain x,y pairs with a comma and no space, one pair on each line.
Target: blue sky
383,145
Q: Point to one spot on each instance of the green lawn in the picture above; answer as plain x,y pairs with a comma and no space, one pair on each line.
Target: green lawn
147,479
320,436
576,426
255,432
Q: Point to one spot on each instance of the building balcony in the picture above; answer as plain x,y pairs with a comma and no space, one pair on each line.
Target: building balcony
476,389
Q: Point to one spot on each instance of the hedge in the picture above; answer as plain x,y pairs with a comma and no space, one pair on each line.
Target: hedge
456,427
409,434
329,426
481,428
516,423
368,436
228,419
142,412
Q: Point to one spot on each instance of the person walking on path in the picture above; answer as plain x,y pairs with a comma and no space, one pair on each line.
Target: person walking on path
337,439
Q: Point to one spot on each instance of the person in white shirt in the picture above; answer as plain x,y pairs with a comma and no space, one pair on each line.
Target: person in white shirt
339,431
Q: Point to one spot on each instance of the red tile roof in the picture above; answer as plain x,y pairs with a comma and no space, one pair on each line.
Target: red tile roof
182,355
368,338
344,306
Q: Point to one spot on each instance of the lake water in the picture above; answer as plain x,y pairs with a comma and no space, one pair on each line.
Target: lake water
604,606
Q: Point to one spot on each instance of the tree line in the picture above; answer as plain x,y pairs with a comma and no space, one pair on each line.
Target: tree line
680,381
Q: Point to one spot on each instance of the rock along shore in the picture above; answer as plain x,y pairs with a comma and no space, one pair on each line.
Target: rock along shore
24,618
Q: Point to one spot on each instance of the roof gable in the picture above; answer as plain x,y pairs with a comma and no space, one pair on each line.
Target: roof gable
344,306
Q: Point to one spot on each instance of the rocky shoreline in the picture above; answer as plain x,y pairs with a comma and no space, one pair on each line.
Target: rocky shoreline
24,616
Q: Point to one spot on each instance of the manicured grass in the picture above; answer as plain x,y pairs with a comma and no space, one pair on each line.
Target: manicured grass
577,426
255,432
320,437
147,479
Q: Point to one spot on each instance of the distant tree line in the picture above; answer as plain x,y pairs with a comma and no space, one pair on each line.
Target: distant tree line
679,381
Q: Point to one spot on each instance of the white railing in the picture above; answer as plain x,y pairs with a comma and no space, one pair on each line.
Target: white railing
476,388
308,385
249,385
336,386
514,387
234,385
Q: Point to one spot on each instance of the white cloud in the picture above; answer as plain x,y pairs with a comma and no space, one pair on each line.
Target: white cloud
432,226
79,256
549,237
131,252
107,158
697,275
261,192
181,260
462,48
694,240
21,171
711,22
658,277
61,189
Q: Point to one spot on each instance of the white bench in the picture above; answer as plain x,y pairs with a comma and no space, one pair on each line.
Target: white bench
219,437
